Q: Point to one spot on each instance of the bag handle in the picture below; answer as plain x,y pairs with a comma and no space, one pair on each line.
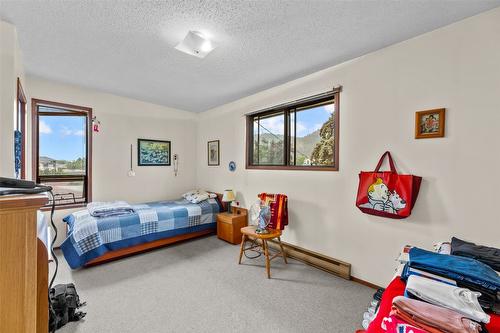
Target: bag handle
391,162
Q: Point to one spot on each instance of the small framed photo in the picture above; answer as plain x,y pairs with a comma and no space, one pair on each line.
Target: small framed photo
153,152
213,153
429,124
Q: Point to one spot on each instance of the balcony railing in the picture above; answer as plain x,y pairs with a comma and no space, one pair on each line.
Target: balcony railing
67,189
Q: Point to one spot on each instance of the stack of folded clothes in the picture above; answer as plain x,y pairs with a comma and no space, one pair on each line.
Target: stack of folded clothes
463,271
450,293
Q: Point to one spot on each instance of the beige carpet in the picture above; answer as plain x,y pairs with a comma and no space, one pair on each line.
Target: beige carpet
197,286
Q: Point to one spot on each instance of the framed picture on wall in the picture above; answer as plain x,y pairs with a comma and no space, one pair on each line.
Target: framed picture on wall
153,152
429,124
213,153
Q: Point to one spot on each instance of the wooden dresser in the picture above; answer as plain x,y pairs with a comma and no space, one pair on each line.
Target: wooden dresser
23,266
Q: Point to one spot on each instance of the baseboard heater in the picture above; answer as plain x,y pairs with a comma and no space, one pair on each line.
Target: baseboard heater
325,263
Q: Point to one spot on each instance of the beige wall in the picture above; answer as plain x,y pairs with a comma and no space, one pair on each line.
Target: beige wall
10,69
123,121
456,67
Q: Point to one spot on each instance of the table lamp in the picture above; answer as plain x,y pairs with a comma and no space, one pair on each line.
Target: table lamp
228,197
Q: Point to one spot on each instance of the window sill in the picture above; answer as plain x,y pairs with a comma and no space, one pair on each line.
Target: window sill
292,168
63,207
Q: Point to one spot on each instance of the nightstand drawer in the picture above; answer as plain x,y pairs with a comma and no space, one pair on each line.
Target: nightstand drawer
229,226
225,231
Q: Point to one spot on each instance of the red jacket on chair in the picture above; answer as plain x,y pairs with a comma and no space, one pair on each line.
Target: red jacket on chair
278,204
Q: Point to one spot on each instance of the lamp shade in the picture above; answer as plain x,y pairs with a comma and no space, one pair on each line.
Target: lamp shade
228,196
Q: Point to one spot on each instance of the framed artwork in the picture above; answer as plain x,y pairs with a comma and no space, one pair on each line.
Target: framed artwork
153,152
213,153
429,124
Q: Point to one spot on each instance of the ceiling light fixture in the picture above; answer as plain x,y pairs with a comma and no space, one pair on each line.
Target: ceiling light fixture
196,44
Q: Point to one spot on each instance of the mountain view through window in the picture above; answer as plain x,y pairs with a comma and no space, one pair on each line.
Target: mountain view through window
313,134
307,133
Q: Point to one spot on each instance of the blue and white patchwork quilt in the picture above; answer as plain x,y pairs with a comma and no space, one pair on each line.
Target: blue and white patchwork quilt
90,237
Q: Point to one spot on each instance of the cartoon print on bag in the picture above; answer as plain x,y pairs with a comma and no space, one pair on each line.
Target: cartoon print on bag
380,198
396,202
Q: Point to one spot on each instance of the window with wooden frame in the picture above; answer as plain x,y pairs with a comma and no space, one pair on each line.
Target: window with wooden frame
300,135
62,150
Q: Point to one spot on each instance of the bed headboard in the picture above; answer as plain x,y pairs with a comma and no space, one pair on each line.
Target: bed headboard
219,198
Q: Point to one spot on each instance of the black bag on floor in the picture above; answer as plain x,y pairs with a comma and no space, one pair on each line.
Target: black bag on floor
64,301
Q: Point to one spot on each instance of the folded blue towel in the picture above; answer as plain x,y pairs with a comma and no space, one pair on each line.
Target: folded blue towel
106,209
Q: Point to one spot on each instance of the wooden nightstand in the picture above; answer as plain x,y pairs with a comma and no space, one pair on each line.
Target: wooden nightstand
229,225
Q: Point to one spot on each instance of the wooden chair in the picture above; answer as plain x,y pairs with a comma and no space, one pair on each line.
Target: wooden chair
249,232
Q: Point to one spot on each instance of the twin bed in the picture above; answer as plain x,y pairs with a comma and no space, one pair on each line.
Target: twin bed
92,240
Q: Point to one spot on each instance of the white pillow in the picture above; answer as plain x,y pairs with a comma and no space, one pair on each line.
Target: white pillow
196,196
189,194
199,197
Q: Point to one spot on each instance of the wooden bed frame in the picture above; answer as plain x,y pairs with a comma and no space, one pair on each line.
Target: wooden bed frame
140,248
128,251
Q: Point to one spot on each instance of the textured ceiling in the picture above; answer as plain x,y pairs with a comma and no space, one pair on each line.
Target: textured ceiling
127,47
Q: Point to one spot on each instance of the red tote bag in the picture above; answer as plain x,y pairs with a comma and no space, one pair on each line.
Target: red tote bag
387,193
